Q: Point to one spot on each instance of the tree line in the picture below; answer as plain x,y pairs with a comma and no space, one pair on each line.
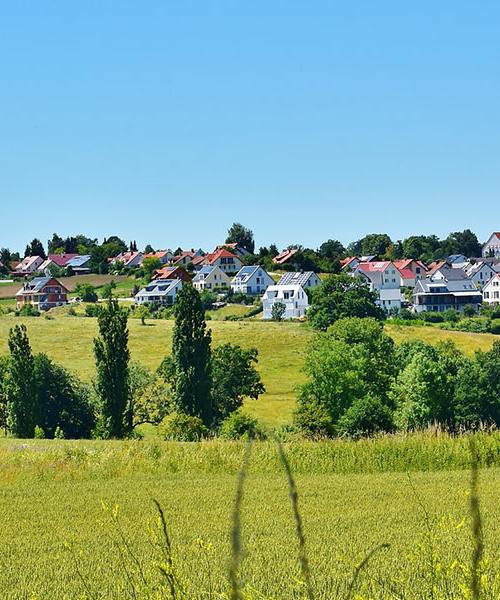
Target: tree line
325,258
197,390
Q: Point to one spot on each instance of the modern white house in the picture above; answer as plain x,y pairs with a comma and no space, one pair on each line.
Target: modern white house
492,247
160,291
307,279
293,297
210,278
491,291
480,273
251,280
447,288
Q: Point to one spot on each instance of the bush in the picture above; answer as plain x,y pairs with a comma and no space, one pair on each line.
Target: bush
432,317
182,428
86,292
39,433
469,310
495,326
93,310
71,312
278,311
238,425
27,310
450,315
207,299
367,416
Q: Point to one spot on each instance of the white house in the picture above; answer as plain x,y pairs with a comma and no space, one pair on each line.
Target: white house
129,259
29,265
251,280
491,291
492,246
447,288
458,261
292,296
384,278
480,273
210,278
160,291
307,279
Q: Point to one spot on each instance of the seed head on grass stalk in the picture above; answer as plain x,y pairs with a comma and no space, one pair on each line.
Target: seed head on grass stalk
236,546
477,529
294,498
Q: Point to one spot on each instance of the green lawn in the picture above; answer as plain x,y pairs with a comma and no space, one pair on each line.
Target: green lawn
60,541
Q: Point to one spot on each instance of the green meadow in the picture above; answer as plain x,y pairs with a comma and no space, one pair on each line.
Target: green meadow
281,346
78,519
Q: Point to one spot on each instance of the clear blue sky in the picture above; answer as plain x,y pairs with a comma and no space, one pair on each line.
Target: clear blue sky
166,121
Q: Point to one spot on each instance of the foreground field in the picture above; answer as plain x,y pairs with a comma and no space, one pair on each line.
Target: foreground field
68,340
61,538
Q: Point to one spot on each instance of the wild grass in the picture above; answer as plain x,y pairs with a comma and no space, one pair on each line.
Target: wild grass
364,535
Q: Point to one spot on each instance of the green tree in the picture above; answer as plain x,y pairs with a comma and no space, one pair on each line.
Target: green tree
373,243
241,236
107,290
234,378
35,249
350,362
149,266
112,363
22,401
142,312
462,242
151,398
190,372
86,292
341,296
64,402
4,374
278,311
332,249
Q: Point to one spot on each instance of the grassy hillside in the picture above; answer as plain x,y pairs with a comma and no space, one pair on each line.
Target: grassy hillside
281,346
78,521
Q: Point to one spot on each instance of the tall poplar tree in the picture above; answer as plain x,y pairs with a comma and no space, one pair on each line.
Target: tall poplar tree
112,362
22,398
191,371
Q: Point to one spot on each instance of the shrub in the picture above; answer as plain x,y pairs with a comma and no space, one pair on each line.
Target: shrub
278,311
207,299
39,433
93,310
432,317
469,310
495,326
71,312
27,310
180,427
367,416
86,292
238,425
450,315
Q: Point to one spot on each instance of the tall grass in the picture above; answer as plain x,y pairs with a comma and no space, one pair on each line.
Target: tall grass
426,451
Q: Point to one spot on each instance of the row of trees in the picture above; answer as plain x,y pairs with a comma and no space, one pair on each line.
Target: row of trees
200,385
360,382
326,258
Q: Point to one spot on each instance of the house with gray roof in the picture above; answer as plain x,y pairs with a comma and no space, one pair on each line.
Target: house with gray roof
160,291
447,288
42,293
210,277
306,279
251,280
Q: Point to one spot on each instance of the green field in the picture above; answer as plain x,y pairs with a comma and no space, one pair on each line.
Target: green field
68,340
59,541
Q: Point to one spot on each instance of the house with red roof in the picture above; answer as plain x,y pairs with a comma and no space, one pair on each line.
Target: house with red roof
28,266
164,256
129,259
285,257
42,293
384,278
172,272
491,248
411,271
228,262
235,248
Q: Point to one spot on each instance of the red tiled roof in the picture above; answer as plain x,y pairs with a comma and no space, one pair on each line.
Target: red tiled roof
370,267
284,256
61,260
407,273
214,256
